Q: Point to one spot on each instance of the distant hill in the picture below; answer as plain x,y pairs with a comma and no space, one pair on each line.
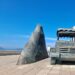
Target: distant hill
11,49
1,48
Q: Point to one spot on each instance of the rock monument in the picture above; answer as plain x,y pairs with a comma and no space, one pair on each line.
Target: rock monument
35,49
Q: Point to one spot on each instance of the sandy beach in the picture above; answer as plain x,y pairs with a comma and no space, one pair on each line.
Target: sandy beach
8,67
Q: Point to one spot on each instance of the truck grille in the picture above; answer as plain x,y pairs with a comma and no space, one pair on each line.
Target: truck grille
63,50
72,50
67,50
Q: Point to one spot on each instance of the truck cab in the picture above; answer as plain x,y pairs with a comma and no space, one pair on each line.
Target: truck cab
64,50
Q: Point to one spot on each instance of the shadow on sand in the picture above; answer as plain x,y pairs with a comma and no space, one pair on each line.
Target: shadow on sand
68,63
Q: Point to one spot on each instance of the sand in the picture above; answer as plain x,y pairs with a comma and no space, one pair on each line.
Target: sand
8,67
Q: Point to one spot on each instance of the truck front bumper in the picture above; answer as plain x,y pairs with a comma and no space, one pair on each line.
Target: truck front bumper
63,56
67,56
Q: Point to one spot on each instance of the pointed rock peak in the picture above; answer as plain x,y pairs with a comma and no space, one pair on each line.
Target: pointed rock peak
38,28
35,48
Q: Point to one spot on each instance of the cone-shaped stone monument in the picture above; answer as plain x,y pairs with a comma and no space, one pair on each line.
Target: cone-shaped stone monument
35,49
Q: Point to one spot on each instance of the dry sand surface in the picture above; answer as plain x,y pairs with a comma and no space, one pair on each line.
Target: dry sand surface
8,67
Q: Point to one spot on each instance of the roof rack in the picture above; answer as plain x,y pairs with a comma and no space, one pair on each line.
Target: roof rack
65,32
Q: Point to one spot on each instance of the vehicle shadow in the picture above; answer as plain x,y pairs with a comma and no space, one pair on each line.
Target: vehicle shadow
68,63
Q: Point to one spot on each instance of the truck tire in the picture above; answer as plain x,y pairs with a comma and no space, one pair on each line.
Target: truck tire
53,61
58,60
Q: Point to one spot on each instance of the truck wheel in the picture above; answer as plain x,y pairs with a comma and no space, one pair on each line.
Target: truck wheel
53,61
58,61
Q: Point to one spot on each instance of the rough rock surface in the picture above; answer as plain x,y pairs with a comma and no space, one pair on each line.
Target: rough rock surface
35,49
